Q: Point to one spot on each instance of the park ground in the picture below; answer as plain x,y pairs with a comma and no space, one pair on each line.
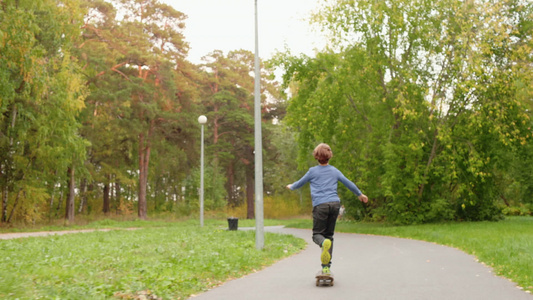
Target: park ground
118,258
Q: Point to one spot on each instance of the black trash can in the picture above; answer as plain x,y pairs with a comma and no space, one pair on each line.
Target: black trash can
233,223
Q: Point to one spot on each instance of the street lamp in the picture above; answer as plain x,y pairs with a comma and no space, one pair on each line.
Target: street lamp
202,120
258,146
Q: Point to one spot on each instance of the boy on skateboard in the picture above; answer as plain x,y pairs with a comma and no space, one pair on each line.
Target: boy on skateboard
326,202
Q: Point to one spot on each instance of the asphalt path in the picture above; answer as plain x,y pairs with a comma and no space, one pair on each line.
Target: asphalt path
372,267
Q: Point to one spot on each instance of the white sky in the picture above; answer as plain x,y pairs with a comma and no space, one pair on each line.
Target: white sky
229,25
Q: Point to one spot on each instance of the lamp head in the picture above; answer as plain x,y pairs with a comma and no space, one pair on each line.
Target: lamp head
202,119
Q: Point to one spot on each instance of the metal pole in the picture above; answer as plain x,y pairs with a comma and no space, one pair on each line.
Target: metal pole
259,225
202,120
202,180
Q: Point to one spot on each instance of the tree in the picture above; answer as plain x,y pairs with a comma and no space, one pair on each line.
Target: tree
147,46
227,91
418,99
41,95
69,208
229,99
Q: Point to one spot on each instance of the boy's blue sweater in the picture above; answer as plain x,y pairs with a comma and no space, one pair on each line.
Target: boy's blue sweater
323,180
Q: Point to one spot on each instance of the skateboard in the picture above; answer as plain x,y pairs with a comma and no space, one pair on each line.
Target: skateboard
324,279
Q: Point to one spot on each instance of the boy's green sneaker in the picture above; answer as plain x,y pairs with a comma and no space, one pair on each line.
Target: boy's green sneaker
326,270
325,257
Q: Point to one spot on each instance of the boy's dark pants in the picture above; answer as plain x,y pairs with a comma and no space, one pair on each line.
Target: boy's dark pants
324,220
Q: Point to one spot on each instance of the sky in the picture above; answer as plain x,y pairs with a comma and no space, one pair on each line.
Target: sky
230,25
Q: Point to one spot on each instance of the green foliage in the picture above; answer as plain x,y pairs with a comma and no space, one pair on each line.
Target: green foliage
41,96
277,207
171,262
228,103
280,160
139,112
520,210
214,191
104,86
422,103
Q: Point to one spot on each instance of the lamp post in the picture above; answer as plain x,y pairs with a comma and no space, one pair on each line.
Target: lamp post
259,225
202,120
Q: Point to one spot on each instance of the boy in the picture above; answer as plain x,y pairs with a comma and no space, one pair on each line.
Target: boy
326,203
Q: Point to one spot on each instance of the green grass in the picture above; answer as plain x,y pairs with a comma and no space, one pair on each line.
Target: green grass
168,260
130,223
506,246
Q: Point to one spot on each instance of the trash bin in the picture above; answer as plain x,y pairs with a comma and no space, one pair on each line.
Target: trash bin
233,223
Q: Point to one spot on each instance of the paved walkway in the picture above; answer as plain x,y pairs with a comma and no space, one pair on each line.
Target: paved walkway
372,267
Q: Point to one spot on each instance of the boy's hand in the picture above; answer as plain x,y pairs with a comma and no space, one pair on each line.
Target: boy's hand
363,198
289,186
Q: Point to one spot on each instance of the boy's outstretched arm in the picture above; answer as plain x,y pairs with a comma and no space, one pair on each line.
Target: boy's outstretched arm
289,186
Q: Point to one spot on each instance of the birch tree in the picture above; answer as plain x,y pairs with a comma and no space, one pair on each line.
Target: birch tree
419,99
41,95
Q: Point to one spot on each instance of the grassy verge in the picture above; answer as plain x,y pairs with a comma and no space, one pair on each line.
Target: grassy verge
506,246
132,222
160,260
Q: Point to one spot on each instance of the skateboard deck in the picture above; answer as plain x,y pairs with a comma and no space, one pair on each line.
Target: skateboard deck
324,279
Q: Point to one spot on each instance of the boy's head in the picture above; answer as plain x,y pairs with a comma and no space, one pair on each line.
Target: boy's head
323,153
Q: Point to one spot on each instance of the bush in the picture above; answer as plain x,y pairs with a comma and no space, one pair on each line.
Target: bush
278,207
520,210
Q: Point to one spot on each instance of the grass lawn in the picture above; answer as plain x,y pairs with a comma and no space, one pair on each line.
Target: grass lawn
161,259
132,222
506,246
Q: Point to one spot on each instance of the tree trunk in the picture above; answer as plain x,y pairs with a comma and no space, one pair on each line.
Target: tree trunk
214,179
14,206
69,214
230,189
144,159
50,213
157,186
250,187
5,190
83,190
142,180
58,209
106,197
5,194
4,204
428,165
118,201
142,196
